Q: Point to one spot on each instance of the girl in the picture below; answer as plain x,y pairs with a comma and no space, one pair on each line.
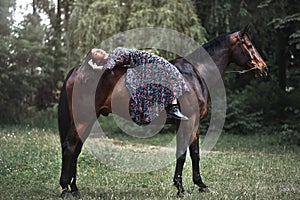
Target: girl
152,81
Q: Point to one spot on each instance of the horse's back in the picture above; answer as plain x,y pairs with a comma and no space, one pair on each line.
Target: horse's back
196,83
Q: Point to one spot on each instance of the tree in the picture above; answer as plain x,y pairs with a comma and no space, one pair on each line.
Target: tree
274,27
6,71
288,40
275,31
58,14
94,21
34,63
220,16
6,7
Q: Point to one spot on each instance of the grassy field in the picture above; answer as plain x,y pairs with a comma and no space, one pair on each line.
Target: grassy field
240,167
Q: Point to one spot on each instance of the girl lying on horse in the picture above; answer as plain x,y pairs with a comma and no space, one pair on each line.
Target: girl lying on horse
152,81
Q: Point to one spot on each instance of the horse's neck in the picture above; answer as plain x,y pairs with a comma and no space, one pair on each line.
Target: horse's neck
211,59
220,55
221,59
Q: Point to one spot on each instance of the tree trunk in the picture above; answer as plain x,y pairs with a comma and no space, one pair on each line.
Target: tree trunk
34,7
283,54
282,58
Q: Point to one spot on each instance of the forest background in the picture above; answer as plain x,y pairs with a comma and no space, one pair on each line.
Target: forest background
36,54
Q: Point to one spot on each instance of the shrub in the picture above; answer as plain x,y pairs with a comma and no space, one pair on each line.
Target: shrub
251,109
289,134
42,119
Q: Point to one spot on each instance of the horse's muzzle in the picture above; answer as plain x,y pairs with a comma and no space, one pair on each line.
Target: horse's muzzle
265,71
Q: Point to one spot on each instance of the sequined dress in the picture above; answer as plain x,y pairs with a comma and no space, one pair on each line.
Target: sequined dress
152,82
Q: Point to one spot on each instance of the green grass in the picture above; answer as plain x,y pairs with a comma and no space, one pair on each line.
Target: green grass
240,167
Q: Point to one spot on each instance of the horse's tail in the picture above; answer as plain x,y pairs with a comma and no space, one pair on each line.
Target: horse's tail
64,118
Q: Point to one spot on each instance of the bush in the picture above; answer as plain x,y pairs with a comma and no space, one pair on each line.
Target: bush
250,110
262,107
289,134
42,119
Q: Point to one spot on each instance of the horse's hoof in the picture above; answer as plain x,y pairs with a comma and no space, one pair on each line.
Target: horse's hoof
182,194
204,189
76,194
66,194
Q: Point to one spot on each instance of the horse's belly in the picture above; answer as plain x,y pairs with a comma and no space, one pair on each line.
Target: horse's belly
119,99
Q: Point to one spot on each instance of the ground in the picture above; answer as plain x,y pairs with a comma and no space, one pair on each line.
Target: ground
239,167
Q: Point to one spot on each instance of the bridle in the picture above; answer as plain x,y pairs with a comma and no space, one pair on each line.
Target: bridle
248,55
241,42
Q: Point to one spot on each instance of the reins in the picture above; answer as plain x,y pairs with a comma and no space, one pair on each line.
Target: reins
242,71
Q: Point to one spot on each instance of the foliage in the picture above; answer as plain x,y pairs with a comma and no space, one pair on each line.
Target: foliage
8,93
6,16
8,90
291,19
274,30
43,119
24,69
35,57
240,118
262,107
219,16
289,133
118,16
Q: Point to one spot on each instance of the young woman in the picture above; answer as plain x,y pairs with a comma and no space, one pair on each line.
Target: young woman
152,81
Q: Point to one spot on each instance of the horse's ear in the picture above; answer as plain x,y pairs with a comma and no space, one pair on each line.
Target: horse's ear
246,29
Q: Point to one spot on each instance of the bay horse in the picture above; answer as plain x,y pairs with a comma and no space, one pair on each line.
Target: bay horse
235,47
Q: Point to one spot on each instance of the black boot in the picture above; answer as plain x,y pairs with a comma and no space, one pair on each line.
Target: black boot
175,112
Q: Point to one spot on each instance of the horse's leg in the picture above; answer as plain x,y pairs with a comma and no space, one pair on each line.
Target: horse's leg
74,189
79,132
183,140
68,150
181,149
195,157
178,174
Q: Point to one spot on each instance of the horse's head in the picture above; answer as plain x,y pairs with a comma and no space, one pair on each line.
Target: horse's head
245,53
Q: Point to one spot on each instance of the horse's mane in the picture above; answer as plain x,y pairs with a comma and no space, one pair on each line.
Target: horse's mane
211,45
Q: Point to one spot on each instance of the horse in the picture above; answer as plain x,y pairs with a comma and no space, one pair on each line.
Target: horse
235,47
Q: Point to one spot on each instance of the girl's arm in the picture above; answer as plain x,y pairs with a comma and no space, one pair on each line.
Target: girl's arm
119,57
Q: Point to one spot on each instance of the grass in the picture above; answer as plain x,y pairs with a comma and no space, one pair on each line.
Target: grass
240,167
